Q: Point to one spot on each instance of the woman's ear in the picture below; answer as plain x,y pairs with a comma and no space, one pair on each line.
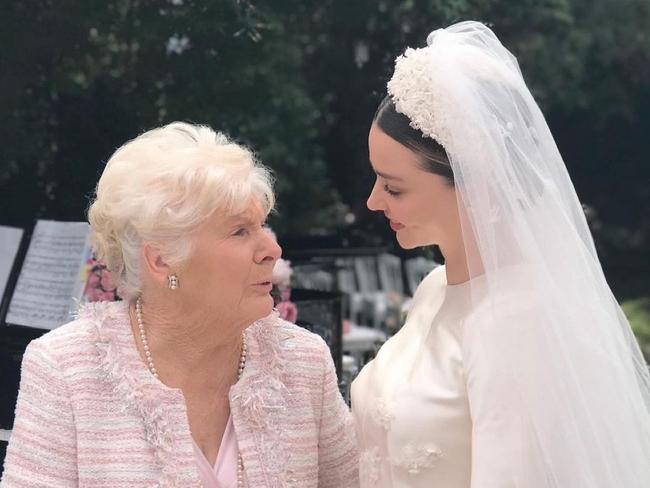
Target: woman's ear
155,265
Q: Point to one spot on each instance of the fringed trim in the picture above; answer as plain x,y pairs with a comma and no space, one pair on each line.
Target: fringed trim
158,430
262,396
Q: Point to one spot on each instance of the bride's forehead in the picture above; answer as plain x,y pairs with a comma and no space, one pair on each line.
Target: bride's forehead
397,167
383,150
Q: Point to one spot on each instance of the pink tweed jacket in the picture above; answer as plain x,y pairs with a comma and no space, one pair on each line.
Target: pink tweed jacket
90,414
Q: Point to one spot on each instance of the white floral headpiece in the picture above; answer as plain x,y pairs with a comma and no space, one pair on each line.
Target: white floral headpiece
414,92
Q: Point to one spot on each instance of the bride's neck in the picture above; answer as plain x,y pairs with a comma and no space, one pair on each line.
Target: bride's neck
462,261
456,266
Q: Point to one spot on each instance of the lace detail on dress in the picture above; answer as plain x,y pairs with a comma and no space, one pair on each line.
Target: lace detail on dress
383,413
415,458
369,467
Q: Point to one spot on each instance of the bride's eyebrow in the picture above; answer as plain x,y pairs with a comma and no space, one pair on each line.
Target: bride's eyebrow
386,176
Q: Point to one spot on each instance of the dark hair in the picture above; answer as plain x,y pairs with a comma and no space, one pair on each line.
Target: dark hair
432,155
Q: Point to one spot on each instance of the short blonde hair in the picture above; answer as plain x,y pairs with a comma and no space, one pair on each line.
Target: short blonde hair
161,186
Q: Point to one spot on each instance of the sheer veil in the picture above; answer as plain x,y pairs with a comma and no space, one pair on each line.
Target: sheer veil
571,365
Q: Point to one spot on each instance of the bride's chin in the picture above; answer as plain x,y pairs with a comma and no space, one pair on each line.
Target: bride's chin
406,243
411,242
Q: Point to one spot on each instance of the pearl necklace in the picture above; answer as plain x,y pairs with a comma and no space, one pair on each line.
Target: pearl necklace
154,371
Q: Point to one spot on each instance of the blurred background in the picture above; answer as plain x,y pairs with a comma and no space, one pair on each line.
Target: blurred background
298,82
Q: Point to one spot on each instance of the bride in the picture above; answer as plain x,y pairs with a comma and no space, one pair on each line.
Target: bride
515,368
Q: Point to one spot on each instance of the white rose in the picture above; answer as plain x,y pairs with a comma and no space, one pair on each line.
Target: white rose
282,273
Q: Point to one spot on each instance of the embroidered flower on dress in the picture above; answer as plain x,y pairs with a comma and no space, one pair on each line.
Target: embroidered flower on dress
383,413
369,467
415,458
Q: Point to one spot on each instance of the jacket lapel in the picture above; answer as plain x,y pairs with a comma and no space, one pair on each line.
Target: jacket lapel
258,405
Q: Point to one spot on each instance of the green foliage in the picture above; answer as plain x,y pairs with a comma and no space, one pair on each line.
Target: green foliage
351,47
638,313
87,76
587,63
299,81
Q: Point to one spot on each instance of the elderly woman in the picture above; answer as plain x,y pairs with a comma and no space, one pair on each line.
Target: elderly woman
191,380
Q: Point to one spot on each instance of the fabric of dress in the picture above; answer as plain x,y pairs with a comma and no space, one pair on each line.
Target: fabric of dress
538,382
417,433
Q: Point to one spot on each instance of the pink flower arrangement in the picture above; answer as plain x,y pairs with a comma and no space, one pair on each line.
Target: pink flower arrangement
99,286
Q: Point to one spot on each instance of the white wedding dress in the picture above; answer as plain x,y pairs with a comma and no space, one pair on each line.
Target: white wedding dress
527,375
432,392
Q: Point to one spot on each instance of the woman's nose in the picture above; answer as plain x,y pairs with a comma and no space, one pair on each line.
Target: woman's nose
375,202
270,250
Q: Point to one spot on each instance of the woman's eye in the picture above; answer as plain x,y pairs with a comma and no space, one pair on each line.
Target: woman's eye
391,192
241,232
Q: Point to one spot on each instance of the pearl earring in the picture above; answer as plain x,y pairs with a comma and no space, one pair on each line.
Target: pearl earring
172,281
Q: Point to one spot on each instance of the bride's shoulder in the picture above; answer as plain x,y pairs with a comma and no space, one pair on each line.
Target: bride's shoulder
512,309
435,281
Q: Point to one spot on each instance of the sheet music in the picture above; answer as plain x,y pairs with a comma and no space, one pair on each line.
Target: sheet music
9,243
48,284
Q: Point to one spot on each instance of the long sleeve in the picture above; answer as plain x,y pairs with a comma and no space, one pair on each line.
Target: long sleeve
519,439
42,450
337,450
497,449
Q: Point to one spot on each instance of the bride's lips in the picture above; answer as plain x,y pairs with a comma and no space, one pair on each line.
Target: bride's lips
396,225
